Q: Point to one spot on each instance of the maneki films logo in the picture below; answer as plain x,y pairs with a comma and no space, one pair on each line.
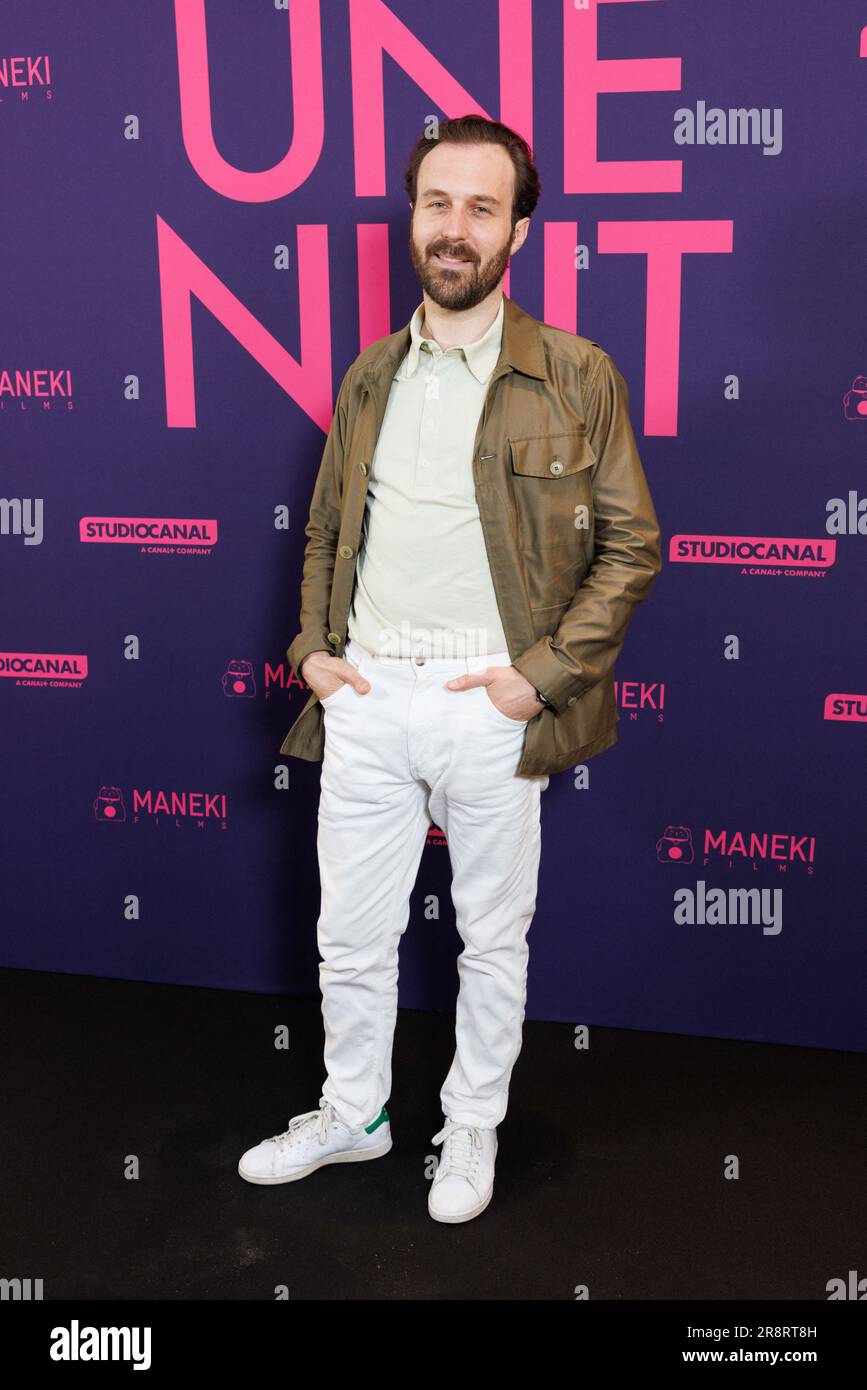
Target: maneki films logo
238,680
24,77
198,810
639,697
735,846
38,388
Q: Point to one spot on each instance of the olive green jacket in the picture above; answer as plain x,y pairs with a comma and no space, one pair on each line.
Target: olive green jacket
570,530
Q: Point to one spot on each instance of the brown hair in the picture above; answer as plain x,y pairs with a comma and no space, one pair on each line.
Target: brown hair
474,130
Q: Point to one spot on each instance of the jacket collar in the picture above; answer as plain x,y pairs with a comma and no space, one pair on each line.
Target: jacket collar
521,348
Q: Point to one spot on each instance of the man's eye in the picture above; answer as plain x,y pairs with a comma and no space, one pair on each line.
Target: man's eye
440,204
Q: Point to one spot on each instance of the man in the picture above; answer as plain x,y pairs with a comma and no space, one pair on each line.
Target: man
480,533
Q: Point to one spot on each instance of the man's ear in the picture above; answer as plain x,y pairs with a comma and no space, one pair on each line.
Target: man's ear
522,228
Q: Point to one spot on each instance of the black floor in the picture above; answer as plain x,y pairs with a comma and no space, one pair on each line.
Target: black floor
610,1173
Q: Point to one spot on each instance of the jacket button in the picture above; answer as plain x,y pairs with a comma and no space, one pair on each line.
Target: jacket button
346,552
362,468
572,699
334,639
556,467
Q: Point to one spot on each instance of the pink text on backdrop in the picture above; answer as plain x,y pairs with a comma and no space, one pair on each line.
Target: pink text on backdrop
374,32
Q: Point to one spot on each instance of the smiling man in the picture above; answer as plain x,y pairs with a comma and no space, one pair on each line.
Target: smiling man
480,534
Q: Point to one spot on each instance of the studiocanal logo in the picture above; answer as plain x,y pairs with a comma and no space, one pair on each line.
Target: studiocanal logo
155,807
757,555
848,708
154,535
59,670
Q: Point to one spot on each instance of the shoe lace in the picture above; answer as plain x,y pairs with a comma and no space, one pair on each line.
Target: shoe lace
461,1147
300,1127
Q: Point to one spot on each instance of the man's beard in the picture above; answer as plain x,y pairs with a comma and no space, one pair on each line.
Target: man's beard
457,289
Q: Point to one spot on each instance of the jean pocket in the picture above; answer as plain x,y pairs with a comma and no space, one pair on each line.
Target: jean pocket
328,700
505,718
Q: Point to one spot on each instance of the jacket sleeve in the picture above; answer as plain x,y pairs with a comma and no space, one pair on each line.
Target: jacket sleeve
627,558
322,531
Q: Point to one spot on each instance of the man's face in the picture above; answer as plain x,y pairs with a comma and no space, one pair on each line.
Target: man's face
461,234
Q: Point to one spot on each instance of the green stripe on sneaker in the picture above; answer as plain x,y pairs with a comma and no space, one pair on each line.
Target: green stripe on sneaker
380,1119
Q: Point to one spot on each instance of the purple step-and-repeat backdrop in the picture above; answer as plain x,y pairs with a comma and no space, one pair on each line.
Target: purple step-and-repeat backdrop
203,223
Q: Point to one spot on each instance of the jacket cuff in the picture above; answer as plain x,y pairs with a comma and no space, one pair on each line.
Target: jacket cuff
547,671
303,645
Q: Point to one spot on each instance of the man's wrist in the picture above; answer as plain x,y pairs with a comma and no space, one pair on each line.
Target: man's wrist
313,653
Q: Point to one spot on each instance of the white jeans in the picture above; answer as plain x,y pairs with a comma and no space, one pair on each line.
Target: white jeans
408,753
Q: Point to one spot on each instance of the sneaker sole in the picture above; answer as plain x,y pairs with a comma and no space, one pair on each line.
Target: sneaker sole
462,1216
349,1156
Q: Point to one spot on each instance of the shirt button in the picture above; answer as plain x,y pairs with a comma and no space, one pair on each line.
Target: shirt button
346,552
572,699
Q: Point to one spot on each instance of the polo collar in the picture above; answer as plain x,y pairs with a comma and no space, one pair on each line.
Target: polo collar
521,349
481,356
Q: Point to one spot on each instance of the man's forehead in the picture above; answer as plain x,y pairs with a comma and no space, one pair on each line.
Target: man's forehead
493,158
492,186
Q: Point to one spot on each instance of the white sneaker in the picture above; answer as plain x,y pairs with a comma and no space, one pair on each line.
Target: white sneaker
313,1139
463,1184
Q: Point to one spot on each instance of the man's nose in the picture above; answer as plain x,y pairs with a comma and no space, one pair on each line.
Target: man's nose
455,228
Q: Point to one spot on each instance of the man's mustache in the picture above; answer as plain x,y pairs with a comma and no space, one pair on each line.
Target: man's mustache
446,251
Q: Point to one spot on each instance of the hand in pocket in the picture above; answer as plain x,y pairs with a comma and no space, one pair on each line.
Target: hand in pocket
326,674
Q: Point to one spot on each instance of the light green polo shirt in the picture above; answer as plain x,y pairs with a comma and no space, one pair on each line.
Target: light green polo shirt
423,582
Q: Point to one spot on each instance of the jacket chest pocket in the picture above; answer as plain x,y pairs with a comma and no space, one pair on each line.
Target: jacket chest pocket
553,493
